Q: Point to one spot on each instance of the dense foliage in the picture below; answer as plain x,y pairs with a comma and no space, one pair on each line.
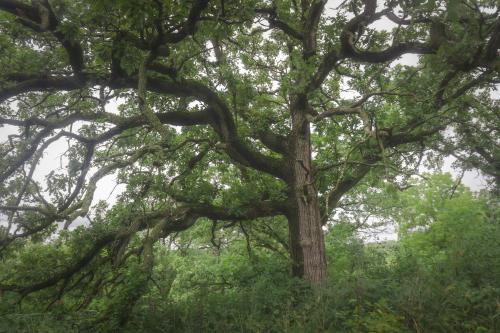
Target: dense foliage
441,275
258,146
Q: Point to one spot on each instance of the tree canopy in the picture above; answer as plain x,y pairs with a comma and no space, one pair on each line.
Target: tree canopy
271,115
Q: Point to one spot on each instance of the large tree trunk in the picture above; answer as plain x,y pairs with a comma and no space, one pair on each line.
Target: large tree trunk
307,245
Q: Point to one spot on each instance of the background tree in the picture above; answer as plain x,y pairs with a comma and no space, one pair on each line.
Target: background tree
441,275
229,111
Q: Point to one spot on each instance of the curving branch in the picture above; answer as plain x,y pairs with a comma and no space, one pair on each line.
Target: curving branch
345,184
348,50
26,155
275,22
409,133
163,222
222,122
189,26
69,272
90,147
41,18
249,211
42,82
221,118
311,26
404,21
389,54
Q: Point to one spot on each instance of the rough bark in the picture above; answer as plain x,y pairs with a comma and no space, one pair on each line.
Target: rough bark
292,161
307,247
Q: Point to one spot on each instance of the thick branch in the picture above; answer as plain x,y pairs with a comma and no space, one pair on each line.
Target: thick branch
275,22
347,183
41,83
41,18
402,21
348,50
189,26
167,222
311,26
222,122
248,212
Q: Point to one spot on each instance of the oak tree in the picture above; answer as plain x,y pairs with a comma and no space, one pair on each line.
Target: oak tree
232,111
